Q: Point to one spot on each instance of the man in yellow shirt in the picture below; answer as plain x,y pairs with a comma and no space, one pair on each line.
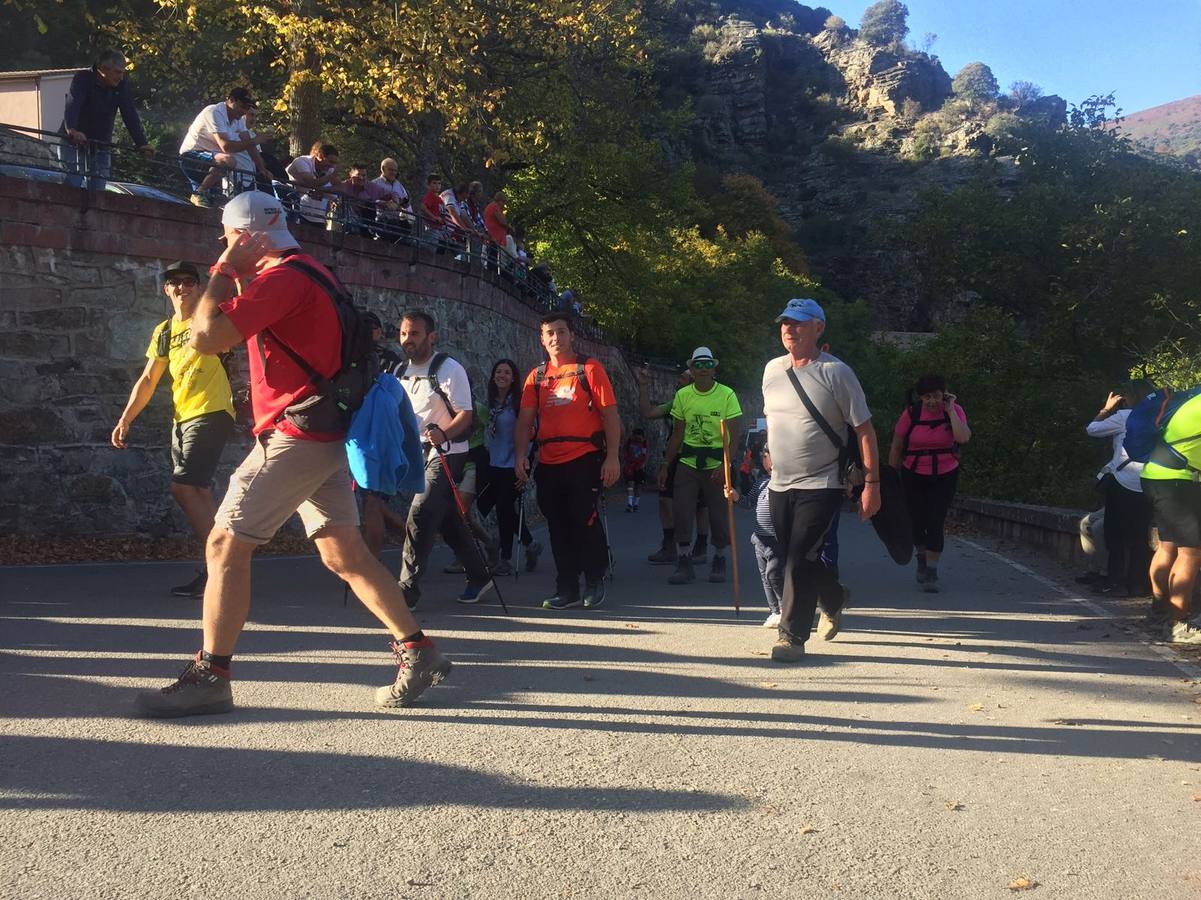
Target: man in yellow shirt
1170,480
697,413
203,404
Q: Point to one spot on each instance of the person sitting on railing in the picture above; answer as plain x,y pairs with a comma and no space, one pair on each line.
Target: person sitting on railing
95,96
433,210
459,227
393,208
209,149
497,226
311,172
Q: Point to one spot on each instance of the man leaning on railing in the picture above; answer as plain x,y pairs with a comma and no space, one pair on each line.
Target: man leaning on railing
95,96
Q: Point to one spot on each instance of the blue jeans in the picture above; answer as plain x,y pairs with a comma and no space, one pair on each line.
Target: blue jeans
771,570
90,161
195,165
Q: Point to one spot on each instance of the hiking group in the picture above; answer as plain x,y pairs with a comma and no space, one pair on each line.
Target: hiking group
328,404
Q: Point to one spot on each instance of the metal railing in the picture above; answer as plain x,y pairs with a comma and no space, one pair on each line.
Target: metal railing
48,156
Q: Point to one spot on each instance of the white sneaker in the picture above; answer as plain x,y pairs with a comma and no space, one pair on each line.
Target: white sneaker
772,621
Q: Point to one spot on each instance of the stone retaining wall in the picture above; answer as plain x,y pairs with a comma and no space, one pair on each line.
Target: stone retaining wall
80,292
1051,530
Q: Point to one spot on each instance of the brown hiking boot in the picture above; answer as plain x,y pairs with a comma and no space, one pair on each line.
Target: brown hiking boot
787,652
419,665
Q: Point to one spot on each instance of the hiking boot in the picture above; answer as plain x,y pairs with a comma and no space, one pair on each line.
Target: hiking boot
194,588
700,551
561,600
1187,632
199,691
717,570
455,568
684,573
829,624
787,652
772,621
594,594
419,665
476,593
504,567
664,556
532,552
930,585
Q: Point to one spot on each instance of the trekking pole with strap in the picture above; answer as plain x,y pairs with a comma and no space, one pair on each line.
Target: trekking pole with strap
603,507
520,531
725,461
465,516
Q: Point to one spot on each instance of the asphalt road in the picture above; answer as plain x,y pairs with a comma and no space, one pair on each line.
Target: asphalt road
944,746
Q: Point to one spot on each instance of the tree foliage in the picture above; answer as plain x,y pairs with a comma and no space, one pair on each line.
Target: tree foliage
975,82
885,22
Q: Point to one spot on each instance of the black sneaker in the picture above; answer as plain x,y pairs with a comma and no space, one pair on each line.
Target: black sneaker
664,556
199,691
594,594
194,588
561,601
532,551
717,570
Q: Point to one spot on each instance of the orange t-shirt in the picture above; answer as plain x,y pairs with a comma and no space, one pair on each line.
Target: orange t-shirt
563,409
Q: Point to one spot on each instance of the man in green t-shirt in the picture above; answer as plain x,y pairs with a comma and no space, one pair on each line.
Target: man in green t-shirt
203,407
696,443
1170,481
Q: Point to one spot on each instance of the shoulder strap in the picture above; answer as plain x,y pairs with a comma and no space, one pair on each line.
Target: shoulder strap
334,291
334,288
436,386
815,412
163,347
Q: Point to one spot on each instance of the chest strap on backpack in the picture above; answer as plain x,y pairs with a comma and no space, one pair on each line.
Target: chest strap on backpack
597,438
701,455
430,376
933,452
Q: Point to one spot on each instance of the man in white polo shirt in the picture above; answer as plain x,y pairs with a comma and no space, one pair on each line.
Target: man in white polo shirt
209,149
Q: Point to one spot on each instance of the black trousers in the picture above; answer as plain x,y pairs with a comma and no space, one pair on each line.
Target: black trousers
801,519
928,498
500,491
567,495
1127,535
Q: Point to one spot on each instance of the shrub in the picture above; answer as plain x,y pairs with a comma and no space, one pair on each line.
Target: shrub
884,23
975,82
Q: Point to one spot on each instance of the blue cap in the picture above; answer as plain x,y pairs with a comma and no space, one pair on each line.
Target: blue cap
802,310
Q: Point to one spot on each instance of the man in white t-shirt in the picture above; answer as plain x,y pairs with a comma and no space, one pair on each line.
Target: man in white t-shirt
438,388
208,151
806,478
310,173
395,207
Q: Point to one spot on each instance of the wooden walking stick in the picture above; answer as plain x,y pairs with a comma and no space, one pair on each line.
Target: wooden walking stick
725,461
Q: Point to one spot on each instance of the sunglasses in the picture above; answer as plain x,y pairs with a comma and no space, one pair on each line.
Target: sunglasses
182,282
703,363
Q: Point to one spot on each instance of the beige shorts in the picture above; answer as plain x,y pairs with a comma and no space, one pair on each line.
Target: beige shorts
283,475
468,483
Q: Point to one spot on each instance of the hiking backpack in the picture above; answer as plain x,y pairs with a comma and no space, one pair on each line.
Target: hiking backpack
1147,421
597,439
340,395
432,377
915,419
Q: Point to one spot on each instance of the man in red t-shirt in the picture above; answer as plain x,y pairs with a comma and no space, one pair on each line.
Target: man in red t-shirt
498,224
433,210
289,469
579,436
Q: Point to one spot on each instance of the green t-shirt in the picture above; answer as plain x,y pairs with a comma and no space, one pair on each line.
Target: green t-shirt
702,415
1184,435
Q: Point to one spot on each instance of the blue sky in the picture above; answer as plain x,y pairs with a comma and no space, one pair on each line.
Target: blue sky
1147,52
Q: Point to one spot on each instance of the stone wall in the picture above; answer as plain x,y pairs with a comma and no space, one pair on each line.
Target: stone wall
80,292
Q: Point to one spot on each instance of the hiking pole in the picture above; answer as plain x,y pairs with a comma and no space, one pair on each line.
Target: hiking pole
725,461
465,516
603,507
520,531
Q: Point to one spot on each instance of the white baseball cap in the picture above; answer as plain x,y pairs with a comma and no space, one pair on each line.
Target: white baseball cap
262,214
702,353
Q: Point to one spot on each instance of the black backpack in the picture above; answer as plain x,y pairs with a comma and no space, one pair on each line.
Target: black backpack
338,397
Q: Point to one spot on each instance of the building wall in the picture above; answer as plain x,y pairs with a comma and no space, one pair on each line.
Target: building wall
80,292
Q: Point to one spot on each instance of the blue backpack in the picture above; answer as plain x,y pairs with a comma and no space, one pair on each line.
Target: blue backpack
1149,418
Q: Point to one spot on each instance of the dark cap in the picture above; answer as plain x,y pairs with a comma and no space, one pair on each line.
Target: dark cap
181,268
373,320
242,96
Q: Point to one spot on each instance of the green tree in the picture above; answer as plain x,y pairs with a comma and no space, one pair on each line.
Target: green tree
1023,92
885,22
975,83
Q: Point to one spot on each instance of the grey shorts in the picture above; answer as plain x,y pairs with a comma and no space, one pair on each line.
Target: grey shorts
283,475
196,447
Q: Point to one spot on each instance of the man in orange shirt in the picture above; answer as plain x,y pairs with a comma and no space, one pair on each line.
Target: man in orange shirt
579,436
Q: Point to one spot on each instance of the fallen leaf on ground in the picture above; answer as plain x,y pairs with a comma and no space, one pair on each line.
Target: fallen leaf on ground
1063,722
1022,884
759,653
768,684
808,829
954,805
589,678
976,707
1197,798
632,625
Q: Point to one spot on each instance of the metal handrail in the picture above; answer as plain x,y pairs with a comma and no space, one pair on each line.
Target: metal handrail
407,232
